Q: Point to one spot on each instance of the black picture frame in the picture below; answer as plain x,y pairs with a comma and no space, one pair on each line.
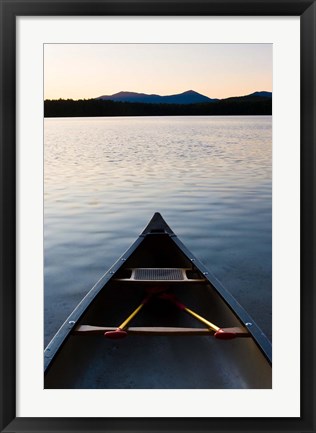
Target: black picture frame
10,9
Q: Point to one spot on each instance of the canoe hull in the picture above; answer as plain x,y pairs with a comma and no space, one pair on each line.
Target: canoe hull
141,362
86,360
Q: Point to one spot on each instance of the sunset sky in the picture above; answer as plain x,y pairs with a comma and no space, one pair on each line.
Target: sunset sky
83,71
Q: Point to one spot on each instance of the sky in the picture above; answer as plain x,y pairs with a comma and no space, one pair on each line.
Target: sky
83,71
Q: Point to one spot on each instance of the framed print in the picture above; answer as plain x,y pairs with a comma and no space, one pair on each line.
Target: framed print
113,114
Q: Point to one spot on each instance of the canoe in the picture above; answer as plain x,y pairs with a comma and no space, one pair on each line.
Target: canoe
158,319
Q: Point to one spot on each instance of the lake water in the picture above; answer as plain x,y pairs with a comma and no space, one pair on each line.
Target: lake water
210,178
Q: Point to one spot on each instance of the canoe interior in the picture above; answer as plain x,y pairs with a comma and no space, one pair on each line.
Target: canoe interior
161,362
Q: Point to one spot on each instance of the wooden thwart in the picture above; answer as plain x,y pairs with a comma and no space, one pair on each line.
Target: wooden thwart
100,330
154,330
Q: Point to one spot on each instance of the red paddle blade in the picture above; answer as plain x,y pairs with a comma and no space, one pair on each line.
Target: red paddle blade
229,333
221,334
115,335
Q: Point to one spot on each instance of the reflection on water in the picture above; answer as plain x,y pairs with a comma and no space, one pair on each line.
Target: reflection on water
210,177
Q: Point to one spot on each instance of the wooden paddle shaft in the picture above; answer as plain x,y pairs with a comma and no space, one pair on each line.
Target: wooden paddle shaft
201,319
173,299
126,321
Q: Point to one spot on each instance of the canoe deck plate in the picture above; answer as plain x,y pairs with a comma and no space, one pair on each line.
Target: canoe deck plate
160,274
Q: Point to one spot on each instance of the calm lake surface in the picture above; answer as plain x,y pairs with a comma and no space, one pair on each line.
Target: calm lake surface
209,177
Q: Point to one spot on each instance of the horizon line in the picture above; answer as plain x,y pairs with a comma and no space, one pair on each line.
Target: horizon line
157,94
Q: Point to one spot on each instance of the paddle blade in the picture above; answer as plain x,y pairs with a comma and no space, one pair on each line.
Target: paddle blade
221,334
115,335
229,333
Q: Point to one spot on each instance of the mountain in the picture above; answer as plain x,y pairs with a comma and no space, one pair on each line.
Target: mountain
189,103
188,97
262,94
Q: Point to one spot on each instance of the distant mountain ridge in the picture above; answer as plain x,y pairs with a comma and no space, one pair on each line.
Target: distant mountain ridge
186,98
262,94
189,103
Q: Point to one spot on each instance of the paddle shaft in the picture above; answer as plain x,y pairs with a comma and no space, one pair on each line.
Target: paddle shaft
201,319
126,322
220,333
120,331
192,313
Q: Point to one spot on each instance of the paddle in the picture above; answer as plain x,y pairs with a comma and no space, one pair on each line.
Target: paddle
120,332
220,333
181,306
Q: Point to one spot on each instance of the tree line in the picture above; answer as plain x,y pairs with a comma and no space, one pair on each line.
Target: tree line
97,107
